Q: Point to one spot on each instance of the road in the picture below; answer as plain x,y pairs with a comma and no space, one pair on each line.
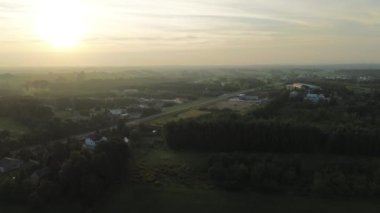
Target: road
186,107
191,106
173,112
163,114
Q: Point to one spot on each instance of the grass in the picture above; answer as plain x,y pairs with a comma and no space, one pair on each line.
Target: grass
145,199
13,126
159,165
183,187
138,198
179,191
12,208
63,114
358,88
188,114
238,106
186,105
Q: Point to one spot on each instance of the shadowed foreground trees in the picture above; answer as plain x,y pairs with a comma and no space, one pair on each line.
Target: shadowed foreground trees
326,177
80,175
230,133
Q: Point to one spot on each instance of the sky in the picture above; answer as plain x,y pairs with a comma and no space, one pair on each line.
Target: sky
188,32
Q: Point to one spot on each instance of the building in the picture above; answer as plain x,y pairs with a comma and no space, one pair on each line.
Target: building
245,97
90,143
314,97
121,113
116,112
293,94
9,164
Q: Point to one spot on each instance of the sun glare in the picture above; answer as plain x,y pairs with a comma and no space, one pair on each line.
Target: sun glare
61,22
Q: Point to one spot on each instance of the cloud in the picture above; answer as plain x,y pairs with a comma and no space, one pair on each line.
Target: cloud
268,26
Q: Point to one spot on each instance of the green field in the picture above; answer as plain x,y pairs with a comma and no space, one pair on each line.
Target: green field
136,199
11,125
171,181
188,114
146,199
186,105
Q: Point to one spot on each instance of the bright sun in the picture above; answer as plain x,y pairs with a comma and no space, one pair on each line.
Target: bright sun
60,22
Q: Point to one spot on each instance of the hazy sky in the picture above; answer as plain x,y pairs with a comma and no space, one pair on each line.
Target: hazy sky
181,32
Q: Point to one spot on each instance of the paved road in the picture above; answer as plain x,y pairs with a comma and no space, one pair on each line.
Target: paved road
152,117
163,114
200,104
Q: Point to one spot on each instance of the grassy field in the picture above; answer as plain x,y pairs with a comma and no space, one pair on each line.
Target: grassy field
186,105
358,88
140,199
170,181
238,106
11,125
146,199
188,114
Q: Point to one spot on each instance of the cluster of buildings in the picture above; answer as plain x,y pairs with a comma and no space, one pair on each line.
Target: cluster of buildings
90,142
308,92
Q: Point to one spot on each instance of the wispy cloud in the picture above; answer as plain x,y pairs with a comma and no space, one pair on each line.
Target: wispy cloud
295,26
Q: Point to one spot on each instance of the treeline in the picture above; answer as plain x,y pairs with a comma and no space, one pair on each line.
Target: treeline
7,143
69,173
230,132
28,111
327,177
90,103
40,120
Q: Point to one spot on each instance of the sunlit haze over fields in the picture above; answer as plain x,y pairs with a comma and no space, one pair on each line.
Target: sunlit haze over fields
188,32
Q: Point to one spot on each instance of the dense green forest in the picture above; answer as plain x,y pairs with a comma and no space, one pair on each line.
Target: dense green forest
348,124
69,173
329,177
231,133
291,130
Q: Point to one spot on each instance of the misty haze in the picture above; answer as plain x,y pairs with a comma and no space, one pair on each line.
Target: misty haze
166,106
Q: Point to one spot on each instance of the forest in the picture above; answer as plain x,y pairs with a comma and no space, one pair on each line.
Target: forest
69,173
229,133
274,148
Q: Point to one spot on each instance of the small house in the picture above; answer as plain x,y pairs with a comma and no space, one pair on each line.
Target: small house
9,164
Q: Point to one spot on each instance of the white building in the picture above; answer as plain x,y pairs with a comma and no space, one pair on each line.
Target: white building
90,144
116,112
9,164
293,94
245,97
314,97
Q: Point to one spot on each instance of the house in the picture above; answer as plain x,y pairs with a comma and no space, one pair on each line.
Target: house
121,113
116,112
174,101
235,99
124,115
91,142
314,97
245,97
293,94
9,164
